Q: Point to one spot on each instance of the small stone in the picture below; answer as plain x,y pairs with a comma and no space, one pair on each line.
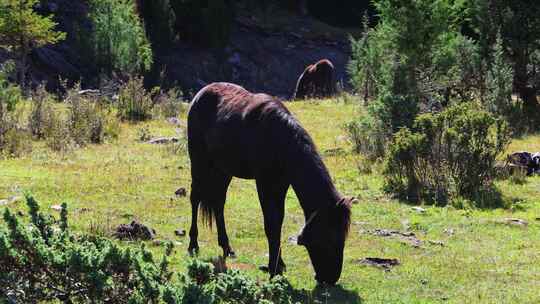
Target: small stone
437,243
56,207
419,209
4,202
180,232
163,140
181,192
174,121
293,239
516,221
449,231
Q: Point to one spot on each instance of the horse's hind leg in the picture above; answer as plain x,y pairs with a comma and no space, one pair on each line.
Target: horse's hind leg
217,195
210,190
272,199
195,197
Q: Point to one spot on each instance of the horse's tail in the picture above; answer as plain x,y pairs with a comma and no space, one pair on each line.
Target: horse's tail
208,213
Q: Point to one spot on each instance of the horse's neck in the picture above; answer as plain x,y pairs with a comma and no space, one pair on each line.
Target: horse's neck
311,181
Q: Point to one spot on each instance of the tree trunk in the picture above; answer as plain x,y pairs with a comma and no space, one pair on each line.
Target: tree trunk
302,7
521,86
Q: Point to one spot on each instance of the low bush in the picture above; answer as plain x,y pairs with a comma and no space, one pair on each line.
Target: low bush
169,104
446,156
134,103
43,261
41,113
368,136
13,139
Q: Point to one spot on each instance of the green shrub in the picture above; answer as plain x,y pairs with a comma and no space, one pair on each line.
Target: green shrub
134,103
169,104
446,156
58,137
43,261
42,114
368,136
14,141
86,119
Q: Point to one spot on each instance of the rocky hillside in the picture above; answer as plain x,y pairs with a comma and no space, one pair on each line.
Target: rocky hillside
264,54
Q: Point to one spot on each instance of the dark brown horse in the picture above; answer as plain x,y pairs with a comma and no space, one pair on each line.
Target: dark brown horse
232,132
317,81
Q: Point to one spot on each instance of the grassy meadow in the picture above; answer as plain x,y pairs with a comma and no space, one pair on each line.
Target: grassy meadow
465,255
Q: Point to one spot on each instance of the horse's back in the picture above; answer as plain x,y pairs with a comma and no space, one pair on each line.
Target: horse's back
235,129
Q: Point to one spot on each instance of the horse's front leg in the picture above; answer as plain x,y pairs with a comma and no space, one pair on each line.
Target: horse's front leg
272,199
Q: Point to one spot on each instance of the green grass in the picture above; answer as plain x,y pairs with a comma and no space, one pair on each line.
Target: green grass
483,261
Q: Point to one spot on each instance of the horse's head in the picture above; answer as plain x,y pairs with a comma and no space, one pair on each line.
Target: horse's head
324,238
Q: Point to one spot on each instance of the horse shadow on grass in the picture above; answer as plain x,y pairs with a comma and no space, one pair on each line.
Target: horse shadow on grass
327,295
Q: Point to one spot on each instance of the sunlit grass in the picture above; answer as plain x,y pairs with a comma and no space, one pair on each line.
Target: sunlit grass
482,260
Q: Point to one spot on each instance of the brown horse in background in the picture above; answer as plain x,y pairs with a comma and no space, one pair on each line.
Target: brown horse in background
317,81
232,132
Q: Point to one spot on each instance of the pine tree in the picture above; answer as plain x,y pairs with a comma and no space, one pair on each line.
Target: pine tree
22,29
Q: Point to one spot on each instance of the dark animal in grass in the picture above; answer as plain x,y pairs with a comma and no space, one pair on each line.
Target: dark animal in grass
529,161
317,81
232,132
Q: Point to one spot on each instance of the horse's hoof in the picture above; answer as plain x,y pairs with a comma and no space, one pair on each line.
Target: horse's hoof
193,251
230,254
264,268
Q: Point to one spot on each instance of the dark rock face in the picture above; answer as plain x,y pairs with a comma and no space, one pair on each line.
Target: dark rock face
317,81
259,59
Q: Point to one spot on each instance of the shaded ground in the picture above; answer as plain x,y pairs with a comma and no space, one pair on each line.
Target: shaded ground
266,53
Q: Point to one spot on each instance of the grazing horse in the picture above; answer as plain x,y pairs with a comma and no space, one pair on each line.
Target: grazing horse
232,132
317,81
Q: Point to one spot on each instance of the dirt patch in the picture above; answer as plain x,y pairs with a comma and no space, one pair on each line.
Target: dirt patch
514,222
163,140
134,231
181,192
404,237
383,263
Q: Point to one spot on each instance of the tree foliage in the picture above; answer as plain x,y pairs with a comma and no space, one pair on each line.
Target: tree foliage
22,29
518,24
118,38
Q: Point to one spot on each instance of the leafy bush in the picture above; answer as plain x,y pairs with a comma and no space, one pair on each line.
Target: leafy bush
86,119
446,156
42,114
368,136
169,104
13,139
44,261
134,103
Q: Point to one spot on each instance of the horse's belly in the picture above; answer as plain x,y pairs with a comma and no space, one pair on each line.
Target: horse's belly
236,166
